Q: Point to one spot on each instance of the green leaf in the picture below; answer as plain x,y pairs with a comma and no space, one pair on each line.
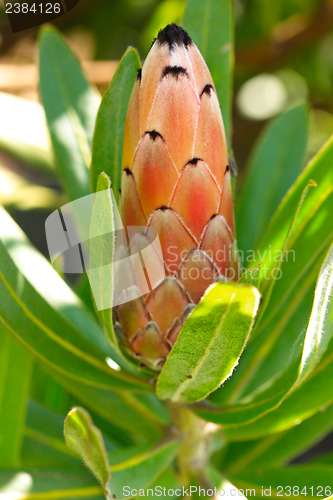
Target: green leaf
142,469
270,390
306,400
134,468
71,106
46,391
320,328
55,291
220,325
109,132
86,440
274,166
211,26
312,219
282,447
285,300
15,376
316,479
265,359
236,416
30,484
102,251
270,378
42,329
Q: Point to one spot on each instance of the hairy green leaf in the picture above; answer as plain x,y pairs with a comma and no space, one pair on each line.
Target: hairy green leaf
133,467
87,441
133,416
220,325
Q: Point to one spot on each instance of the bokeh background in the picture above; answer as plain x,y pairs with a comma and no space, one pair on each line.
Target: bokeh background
283,57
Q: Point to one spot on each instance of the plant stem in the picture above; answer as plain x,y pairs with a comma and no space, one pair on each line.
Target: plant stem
195,449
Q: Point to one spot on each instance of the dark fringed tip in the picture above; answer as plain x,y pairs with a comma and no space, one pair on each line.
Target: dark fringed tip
174,35
174,71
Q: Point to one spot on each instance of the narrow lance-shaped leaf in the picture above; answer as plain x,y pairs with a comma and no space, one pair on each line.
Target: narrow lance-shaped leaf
15,376
70,105
320,328
319,172
282,447
211,26
102,252
220,325
275,163
305,401
108,137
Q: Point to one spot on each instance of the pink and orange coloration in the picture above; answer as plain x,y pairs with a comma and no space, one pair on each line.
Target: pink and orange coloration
175,180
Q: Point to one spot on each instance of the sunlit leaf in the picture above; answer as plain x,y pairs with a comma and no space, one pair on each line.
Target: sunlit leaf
220,326
70,105
320,328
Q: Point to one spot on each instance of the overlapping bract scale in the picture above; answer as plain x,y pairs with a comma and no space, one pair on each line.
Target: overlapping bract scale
176,183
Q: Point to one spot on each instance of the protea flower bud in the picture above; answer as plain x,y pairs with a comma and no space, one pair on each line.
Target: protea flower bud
175,180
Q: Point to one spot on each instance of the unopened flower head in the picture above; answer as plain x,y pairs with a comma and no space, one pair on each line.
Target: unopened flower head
176,183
